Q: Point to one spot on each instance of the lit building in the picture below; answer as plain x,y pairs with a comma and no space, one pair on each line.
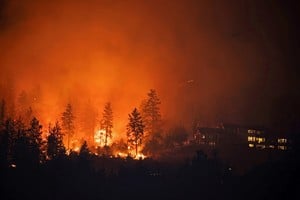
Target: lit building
251,136
256,138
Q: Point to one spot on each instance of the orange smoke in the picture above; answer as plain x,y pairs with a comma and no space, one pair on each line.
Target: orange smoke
90,52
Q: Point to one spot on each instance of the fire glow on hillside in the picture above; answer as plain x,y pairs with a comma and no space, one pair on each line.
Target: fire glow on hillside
207,60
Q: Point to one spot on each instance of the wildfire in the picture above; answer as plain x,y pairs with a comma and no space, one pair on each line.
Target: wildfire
124,155
121,155
76,149
99,138
140,156
97,147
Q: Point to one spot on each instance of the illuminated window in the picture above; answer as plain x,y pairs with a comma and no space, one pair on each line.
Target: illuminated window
251,131
282,140
271,146
251,139
251,145
260,140
281,147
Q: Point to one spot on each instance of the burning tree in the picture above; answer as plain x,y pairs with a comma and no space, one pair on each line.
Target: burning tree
68,123
135,130
107,122
55,146
151,113
152,118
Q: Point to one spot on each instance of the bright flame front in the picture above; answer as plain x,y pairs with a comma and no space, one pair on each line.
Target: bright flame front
99,138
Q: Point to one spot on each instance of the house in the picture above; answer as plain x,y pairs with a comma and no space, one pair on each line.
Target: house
256,137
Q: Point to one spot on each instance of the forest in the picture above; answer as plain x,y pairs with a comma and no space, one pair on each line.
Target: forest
39,163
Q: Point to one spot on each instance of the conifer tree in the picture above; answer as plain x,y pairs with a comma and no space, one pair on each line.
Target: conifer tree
135,130
55,146
35,140
107,122
151,113
68,123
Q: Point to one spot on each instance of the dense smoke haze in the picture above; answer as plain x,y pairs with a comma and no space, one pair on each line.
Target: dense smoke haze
211,61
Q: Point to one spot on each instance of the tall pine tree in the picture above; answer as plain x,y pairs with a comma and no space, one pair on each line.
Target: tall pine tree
107,122
68,123
35,140
151,113
135,130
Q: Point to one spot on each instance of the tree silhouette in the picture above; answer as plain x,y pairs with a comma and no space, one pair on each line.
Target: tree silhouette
84,154
21,154
35,140
151,113
21,146
107,122
84,150
68,123
55,146
135,130
9,138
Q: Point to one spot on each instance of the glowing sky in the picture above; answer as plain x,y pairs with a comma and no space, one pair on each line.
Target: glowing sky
208,60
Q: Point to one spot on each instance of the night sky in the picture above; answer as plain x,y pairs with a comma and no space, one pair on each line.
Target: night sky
215,61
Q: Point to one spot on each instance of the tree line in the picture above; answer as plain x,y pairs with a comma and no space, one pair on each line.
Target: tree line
24,144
